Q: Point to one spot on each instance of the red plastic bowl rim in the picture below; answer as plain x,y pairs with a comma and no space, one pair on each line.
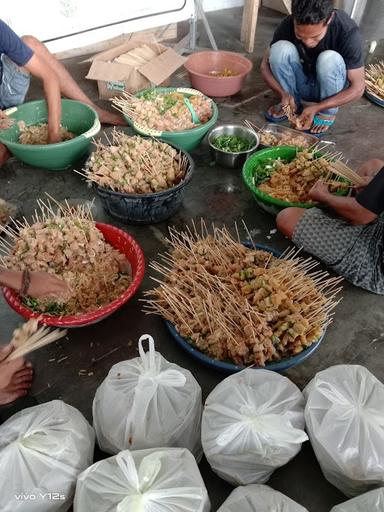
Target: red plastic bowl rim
14,301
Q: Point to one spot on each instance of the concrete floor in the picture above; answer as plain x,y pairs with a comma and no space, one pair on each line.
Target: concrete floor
218,195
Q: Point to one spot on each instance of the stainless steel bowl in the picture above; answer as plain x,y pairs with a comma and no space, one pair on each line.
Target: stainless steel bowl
232,160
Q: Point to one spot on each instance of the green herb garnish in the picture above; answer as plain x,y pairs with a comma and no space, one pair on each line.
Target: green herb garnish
50,308
264,170
169,101
232,143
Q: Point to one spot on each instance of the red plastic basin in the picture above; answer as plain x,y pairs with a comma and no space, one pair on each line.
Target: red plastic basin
201,64
121,241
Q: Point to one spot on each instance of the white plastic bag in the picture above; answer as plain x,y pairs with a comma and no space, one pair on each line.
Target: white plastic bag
260,498
148,402
252,424
42,451
345,422
372,501
160,480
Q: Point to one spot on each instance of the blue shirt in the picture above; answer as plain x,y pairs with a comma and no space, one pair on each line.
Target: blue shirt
13,46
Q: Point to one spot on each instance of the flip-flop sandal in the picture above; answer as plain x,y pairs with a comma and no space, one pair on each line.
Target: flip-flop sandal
317,121
280,119
275,119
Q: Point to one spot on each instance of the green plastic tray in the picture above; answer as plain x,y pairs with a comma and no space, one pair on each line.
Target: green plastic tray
77,117
186,139
265,201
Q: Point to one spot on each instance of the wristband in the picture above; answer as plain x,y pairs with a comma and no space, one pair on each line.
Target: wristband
25,282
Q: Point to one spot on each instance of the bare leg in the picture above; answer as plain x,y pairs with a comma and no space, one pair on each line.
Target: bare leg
287,220
371,167
68,86
4,154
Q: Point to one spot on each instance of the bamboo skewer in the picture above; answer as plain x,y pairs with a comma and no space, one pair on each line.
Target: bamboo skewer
374,80
198,301
252,126
342,170
29,338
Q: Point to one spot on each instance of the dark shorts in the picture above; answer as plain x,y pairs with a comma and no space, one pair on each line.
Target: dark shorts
14,83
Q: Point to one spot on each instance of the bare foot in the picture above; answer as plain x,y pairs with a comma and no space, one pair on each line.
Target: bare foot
110,117
15,377
328,121
19,385
4,154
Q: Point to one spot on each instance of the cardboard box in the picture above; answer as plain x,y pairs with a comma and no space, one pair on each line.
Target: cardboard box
113,78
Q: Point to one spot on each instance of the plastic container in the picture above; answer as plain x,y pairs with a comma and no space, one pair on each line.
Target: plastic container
228,367
200,66
186,139
375,99
266,202
146,208
77,117
121,241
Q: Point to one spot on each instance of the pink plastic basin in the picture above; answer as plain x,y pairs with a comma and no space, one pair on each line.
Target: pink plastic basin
201,64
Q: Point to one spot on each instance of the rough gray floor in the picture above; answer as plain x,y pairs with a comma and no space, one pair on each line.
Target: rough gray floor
218,195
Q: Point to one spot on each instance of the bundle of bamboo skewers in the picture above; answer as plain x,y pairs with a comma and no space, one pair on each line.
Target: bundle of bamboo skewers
66,242
374,80
29,337
168,111
340,169
337,169
135,165
240,304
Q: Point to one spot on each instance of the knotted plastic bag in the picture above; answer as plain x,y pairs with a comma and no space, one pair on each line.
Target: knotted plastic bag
148,402
372,501
42,451
162,480
344,414
252,424
260,498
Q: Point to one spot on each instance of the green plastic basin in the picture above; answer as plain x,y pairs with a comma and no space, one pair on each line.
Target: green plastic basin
77,117
265,201
186,139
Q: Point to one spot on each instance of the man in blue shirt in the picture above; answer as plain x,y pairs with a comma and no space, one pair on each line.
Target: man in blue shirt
25,56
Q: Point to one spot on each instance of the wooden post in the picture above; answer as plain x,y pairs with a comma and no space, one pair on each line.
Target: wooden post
246,10
249,22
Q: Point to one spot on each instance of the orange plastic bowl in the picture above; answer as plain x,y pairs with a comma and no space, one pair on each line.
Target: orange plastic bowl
200,66
121,241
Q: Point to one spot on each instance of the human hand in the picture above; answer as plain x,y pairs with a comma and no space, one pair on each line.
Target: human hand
43,285
319,192
5,351
5,121
367,180
305,120
288,100
7,368
370,168
54,137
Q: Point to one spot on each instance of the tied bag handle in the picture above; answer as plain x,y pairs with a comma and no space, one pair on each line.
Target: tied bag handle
171,378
